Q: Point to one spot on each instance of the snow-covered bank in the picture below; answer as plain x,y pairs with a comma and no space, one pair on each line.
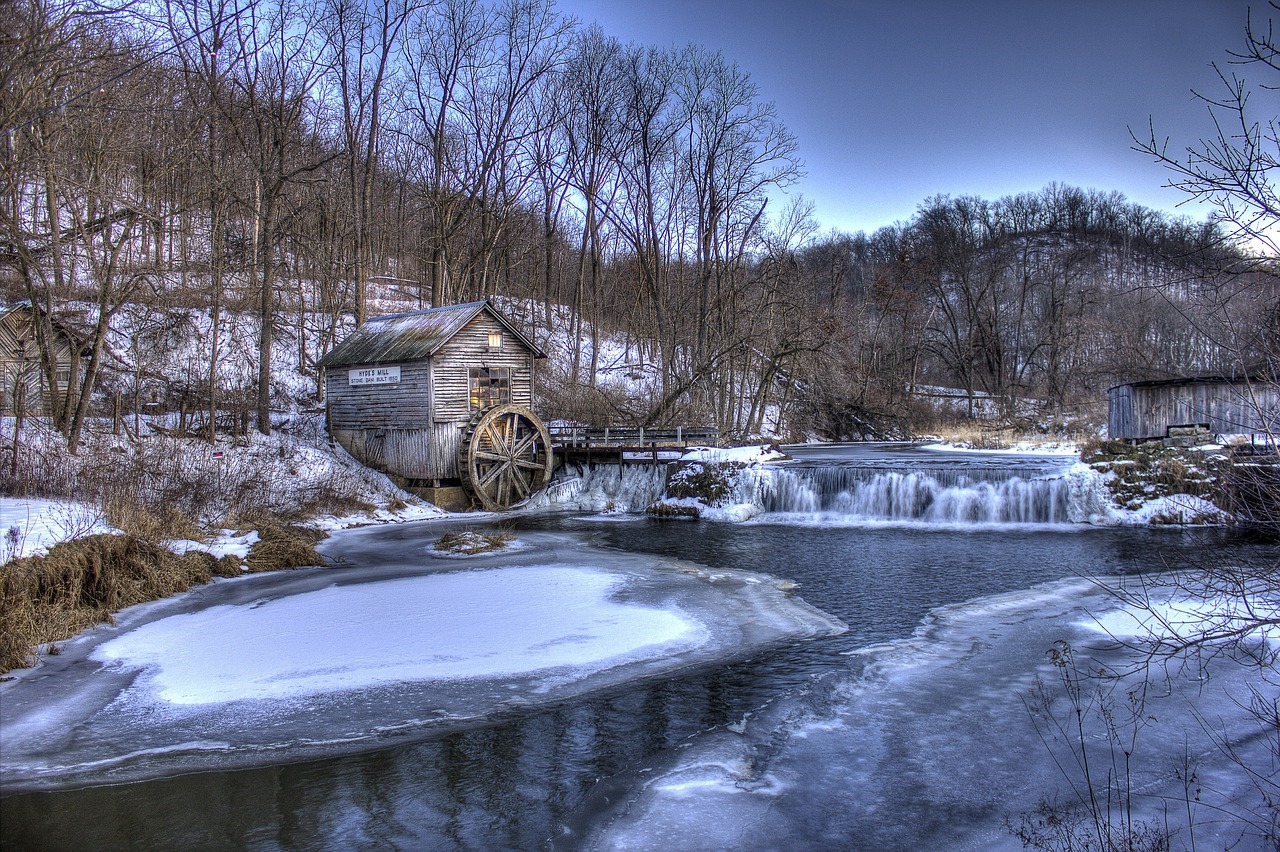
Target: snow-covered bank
1021,448
31,526
293,472
282,666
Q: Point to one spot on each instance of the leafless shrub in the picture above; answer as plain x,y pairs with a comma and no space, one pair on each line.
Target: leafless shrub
1102,814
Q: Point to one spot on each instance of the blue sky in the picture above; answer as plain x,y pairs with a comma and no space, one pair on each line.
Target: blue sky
896,100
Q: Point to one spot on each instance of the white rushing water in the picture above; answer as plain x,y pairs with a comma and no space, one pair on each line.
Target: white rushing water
967,496
954,493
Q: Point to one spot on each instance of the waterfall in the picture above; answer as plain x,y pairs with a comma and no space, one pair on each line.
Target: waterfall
947,496
908,492
605,488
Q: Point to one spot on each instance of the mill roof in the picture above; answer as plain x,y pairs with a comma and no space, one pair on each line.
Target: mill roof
65,323
1263,371
414,335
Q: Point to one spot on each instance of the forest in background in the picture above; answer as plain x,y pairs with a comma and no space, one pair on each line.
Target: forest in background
312,164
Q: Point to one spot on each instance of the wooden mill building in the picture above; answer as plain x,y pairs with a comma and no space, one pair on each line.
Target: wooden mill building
23,381
440,400
1247,404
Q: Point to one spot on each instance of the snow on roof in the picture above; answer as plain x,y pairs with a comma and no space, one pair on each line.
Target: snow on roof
414,335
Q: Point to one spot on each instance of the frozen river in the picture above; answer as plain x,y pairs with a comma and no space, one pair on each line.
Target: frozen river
694,704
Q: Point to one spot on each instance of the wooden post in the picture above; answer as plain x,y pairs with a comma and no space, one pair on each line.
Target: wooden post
19,405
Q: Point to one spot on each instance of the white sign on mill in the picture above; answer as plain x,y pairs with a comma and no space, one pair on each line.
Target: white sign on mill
374,376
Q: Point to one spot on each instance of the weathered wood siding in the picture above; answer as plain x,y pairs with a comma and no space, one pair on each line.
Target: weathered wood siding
451,392
408,453
387,427
404,405
1137,411
1120,422
20,364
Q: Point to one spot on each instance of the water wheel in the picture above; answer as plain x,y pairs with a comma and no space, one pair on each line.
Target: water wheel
504,456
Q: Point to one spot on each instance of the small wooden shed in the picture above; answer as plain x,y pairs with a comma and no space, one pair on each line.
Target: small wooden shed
1248,404
22,377
440,400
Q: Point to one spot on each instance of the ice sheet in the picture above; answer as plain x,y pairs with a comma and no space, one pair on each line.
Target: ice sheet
443,626
935,741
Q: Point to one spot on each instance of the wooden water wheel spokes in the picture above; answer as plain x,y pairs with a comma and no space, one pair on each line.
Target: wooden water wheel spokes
504,456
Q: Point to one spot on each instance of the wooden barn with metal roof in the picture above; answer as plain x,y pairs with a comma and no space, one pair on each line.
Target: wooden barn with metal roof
440,400
1243,404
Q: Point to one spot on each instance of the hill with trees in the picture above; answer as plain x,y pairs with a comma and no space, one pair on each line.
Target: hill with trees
281,171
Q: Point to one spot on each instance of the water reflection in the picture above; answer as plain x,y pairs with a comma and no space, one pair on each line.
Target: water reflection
511,785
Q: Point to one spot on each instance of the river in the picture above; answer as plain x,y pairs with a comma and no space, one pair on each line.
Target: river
917,728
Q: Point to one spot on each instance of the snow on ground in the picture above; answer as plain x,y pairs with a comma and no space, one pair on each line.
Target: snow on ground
1037,448
743,455
471,624
416,510
1176,509
222,543
30,526
1173,615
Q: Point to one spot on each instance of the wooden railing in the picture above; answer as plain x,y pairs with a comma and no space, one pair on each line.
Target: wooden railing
612,437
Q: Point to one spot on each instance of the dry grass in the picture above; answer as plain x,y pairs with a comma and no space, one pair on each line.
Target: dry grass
46,599
150,524
981,437
80,583
283,545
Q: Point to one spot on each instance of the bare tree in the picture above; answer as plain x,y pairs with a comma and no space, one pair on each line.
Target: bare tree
202,32
269,113
361,43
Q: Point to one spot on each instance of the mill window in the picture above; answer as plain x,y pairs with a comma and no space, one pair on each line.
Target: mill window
490,386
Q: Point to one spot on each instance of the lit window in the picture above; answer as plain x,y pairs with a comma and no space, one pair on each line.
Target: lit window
490,386
495,341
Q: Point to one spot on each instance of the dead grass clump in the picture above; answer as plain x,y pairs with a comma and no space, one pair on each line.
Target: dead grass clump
283,545
79,583
978,436
150,524
334,504
471,542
